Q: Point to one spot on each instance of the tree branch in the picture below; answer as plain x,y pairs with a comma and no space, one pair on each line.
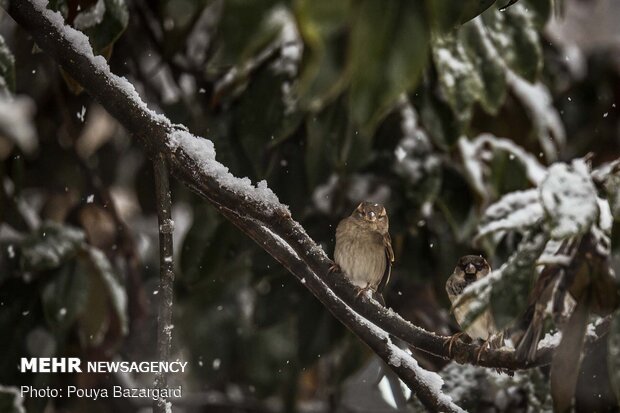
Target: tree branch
166,273
266,221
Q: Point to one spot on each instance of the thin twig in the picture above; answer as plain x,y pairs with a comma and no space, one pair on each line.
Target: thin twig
166,273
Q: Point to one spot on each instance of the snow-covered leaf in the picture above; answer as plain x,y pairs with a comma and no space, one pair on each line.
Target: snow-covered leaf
569,198
547,125
478,153
517,210
488,65
415,159
473,61
459,82
50,246
514,36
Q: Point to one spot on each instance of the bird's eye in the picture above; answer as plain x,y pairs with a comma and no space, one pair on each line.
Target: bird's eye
382,217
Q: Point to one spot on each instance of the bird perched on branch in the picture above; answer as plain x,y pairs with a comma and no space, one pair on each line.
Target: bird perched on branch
469,269
363,247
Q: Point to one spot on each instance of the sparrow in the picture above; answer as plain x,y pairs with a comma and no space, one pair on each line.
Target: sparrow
469,269
363,249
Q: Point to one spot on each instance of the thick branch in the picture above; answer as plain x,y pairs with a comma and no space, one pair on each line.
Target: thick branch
166,273
271,226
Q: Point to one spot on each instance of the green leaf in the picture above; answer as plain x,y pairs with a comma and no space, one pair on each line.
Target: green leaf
325,134
474,11
542,10
94,321
235,46
387,54
7,68
50,246
459,81
103,23
65,295
510,293
513,33
210,257
446,14
262,117
115,289
322,25
437,117
488,65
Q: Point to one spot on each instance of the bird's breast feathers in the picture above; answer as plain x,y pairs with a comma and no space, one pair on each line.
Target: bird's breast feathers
360,254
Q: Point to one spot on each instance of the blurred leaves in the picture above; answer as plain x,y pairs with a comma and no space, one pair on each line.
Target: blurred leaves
330,102
473,61
505,289
567,359
10,400
65,295
79,283
613,355
50,246
16,125
387,54
569,198
7,69
103,21
322,27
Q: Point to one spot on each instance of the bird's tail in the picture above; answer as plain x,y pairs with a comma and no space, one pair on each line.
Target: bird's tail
526,349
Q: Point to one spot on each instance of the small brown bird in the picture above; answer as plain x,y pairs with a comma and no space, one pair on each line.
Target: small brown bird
470,268
364,248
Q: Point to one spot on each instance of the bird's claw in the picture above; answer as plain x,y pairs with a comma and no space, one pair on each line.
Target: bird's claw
364,290
334,268
451,340
482,349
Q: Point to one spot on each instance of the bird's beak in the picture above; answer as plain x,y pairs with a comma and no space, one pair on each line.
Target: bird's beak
372,216
470,269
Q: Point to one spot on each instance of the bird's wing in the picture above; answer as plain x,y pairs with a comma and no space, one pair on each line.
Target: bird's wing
389,255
